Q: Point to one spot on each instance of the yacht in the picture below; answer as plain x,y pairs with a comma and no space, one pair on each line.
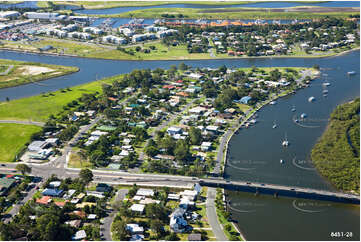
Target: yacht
326,84
325,91
281,161
351,73
303,115
273,102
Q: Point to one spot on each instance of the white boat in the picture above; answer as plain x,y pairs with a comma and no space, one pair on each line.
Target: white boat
311,99
303,115
273,102
253,121
293,108
325,91
351,73
281,161
326,84
274,125
285,142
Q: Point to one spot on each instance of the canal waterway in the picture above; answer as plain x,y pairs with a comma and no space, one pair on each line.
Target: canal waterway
255,153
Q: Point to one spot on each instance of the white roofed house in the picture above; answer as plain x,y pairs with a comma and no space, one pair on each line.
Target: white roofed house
135,229
206,146
145,192
174,130
79,235
138,208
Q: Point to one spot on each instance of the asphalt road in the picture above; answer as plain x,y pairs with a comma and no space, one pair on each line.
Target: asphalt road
107,223
16,207
212,215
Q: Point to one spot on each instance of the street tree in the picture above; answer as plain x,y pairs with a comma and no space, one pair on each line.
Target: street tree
23,168
86,175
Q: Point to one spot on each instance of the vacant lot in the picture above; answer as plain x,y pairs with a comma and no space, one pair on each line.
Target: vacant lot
13,137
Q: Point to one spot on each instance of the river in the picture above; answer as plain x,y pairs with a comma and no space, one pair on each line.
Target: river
268,218
116,10
274,4
263,217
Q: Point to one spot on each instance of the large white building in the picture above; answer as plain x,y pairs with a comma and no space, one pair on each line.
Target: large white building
9,14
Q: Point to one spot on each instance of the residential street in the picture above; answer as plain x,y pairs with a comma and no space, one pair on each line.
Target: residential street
107,223
212,215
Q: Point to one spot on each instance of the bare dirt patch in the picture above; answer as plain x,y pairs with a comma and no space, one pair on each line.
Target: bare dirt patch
35,70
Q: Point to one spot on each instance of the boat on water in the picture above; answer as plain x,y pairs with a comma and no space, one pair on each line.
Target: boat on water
351,73
285,142
311,99
293,108
281,161
326,84
253,121
274,126
303,115
325,91
273,102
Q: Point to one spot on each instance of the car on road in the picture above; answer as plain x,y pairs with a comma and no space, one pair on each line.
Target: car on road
3,165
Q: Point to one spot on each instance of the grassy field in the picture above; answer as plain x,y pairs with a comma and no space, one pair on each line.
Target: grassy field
12,139
40,107
20,72
229,13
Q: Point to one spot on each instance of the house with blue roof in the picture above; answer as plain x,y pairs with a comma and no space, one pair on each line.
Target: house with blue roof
52,192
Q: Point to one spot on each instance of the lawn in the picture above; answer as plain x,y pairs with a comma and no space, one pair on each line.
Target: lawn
20,72
76,161
40,107
13,137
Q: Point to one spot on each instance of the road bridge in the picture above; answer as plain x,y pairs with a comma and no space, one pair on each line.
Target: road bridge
281,190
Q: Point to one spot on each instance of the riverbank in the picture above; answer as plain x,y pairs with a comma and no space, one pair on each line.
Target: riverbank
17,73
175,54
336,154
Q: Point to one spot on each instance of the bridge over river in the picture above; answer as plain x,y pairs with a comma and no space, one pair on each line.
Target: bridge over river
280,190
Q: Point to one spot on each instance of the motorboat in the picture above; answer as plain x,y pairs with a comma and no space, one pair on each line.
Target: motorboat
311,99
273,102
351,73
285,142
281,161
303,115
